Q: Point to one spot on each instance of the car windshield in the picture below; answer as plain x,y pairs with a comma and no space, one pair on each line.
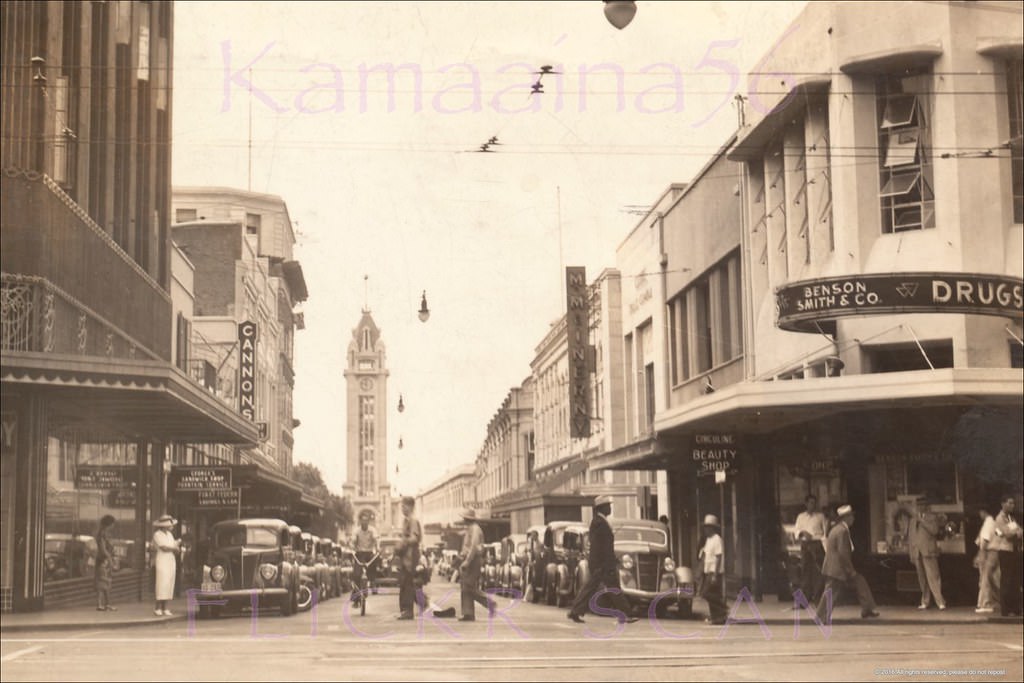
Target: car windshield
247,536
641,534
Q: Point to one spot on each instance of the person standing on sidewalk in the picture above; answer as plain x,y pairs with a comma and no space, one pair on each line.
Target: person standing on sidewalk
470,559
104,564
409,556
924,553
604,568
1007,543
712,555
810,531
839,570
987,564
165,547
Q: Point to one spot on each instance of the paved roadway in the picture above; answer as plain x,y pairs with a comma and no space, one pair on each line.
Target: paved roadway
535,643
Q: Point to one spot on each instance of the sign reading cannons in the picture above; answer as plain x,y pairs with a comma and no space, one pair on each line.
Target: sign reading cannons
185,479
802,304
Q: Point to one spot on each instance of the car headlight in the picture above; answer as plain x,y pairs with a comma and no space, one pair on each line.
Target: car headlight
268,571
669,564
626,561
217,573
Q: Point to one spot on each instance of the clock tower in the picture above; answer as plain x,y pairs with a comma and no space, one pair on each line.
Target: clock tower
366,468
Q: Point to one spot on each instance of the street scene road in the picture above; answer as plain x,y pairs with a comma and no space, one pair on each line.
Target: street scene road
527,642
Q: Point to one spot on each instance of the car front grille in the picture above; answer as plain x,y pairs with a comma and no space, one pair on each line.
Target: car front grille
647,565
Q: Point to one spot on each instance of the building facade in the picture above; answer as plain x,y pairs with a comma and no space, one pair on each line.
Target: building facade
366,381
92,397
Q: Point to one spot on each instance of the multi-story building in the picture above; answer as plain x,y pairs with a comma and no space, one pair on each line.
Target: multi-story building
505,460
854,330
92,397
240,339
441,504
366,378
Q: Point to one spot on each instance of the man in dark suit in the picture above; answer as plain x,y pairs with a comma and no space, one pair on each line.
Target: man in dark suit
604,568
839,572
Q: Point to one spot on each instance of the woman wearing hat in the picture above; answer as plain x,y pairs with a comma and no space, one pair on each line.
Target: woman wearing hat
104,564
712,557
166,547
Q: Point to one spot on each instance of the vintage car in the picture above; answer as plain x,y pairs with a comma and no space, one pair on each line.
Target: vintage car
333,562
390,564
647,570
489,565
69,556
313,571
513,558
553,567
247,558
573,571
307,575
346,563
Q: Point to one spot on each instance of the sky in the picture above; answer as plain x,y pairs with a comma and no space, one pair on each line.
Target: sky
390,197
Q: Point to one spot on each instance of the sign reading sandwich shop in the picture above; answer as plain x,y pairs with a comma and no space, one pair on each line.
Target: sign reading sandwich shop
802,304
182,479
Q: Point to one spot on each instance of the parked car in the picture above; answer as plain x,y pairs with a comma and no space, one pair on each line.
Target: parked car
552,567
646,568
489,566
513,557
534,562
248,557
331,559
390,564
313,571
572,571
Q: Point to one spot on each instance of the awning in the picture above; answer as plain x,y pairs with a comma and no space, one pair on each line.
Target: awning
140,399
750,408
544,493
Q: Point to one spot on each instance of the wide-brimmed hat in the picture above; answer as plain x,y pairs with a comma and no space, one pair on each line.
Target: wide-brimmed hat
711,520
469,514
844,510
602,500
164,522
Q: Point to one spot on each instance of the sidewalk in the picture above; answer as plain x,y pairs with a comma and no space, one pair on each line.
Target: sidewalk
141,614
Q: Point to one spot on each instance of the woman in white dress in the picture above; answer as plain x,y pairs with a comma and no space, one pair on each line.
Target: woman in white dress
165,547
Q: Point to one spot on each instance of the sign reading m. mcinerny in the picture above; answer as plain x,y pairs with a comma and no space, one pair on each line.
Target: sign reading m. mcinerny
802,304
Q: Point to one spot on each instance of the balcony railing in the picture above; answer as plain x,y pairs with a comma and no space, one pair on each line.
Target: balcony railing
48,238
36,315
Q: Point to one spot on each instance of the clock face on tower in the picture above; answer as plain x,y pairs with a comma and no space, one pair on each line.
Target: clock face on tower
366,384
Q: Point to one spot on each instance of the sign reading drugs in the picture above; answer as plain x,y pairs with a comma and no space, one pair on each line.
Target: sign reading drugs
247,369
713,453
802,306
577,328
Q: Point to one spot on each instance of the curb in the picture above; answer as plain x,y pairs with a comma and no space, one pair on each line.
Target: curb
78,626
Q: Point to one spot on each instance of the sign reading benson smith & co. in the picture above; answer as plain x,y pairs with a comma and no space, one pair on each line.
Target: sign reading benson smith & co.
802,304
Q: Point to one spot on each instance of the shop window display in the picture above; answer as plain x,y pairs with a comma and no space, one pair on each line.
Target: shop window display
906,481
88,476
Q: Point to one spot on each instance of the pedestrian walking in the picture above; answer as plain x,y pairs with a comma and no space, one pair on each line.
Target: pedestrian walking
810,532
712,558
409,555
165,548
104,564
839,571
987,564
604,569
470,561
1007,543
924,553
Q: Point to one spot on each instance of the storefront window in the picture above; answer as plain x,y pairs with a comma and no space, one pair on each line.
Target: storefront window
88,476
906,480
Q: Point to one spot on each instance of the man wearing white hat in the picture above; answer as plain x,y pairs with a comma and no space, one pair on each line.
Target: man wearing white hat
604,568
839,571
470,559
712,555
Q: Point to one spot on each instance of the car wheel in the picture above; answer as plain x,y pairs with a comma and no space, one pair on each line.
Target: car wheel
685,610
551,595
305,597
204,611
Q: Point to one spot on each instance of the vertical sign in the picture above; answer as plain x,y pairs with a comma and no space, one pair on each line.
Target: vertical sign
577,328
247,369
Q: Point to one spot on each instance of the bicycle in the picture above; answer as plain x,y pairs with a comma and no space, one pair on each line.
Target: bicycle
363,582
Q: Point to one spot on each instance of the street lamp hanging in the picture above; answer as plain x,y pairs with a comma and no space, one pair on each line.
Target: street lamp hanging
400,444
619,12
424,311
401,404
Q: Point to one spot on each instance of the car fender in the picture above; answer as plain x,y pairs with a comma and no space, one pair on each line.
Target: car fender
550,574
582,574
564,579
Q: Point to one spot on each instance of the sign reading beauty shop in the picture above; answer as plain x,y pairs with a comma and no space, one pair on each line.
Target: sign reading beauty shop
713,453
247,369
801,305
